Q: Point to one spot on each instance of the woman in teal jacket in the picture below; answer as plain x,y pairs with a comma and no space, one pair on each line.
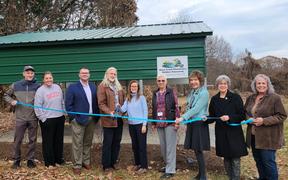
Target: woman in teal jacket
197,133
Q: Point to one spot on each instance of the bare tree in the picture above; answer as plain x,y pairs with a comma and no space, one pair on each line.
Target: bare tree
181,17
31,15
218,49
116,12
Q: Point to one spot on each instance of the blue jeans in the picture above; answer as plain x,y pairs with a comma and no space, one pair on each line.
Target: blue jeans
265,162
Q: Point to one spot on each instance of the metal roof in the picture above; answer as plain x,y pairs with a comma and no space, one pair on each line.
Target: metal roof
154,30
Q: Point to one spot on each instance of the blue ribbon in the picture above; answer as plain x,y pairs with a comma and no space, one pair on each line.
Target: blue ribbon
242,123
195,119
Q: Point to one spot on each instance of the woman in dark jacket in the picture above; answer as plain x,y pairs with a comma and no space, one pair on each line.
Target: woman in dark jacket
230,142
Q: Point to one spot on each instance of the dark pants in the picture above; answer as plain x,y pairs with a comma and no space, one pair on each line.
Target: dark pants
139,145
111,145
52,140
201,165
20,129
232,167
265,162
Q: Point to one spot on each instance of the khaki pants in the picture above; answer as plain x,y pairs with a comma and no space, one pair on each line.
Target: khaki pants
82,137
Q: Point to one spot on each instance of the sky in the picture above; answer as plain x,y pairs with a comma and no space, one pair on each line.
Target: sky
261,26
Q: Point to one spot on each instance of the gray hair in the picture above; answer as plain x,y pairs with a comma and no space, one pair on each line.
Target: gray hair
106,82
221,78
162,75
269,84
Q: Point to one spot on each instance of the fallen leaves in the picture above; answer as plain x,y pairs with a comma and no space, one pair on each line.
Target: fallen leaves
45,173
7,122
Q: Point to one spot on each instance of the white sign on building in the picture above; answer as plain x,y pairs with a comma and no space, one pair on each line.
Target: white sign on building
173,66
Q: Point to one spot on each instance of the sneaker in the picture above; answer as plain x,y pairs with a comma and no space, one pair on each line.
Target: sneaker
16,164
76,171
51,167
163,170
60,162
141,171
107,170
167,176
190,161
87,166
31,164
136,168
115,167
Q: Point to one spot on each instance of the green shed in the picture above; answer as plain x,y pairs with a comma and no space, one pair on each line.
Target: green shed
132,50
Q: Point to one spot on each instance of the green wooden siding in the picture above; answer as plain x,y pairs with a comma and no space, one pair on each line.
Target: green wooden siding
134,59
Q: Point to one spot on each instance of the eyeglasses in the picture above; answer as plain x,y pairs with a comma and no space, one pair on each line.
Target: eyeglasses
159,80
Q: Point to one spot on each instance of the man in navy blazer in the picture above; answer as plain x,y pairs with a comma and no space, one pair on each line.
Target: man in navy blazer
82,97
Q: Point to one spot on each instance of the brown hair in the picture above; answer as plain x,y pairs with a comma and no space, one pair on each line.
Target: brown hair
45,73
129,95
199,75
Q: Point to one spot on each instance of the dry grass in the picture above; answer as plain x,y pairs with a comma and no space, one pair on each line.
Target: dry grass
248,168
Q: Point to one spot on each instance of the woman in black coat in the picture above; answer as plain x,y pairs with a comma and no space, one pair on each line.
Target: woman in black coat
230,142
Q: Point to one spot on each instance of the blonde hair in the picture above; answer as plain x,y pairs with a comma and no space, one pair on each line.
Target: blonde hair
106,81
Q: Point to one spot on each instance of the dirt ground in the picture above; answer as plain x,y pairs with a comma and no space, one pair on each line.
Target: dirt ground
126,156
214,164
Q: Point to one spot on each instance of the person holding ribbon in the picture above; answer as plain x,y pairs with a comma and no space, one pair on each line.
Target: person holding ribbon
81,97
136,107
225,108
265,134
165,107
197,133
110,99
23,91
50,95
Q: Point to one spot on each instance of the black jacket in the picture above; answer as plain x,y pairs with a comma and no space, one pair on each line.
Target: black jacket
230,141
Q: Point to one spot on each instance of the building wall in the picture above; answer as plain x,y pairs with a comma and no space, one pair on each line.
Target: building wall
133,59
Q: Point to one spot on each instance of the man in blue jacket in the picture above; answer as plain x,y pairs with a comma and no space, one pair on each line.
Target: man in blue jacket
82,97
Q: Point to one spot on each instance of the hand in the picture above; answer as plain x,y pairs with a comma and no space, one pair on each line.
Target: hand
252,120
225,118
176,126
13,103
144,129
204,118
178,120
258,121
